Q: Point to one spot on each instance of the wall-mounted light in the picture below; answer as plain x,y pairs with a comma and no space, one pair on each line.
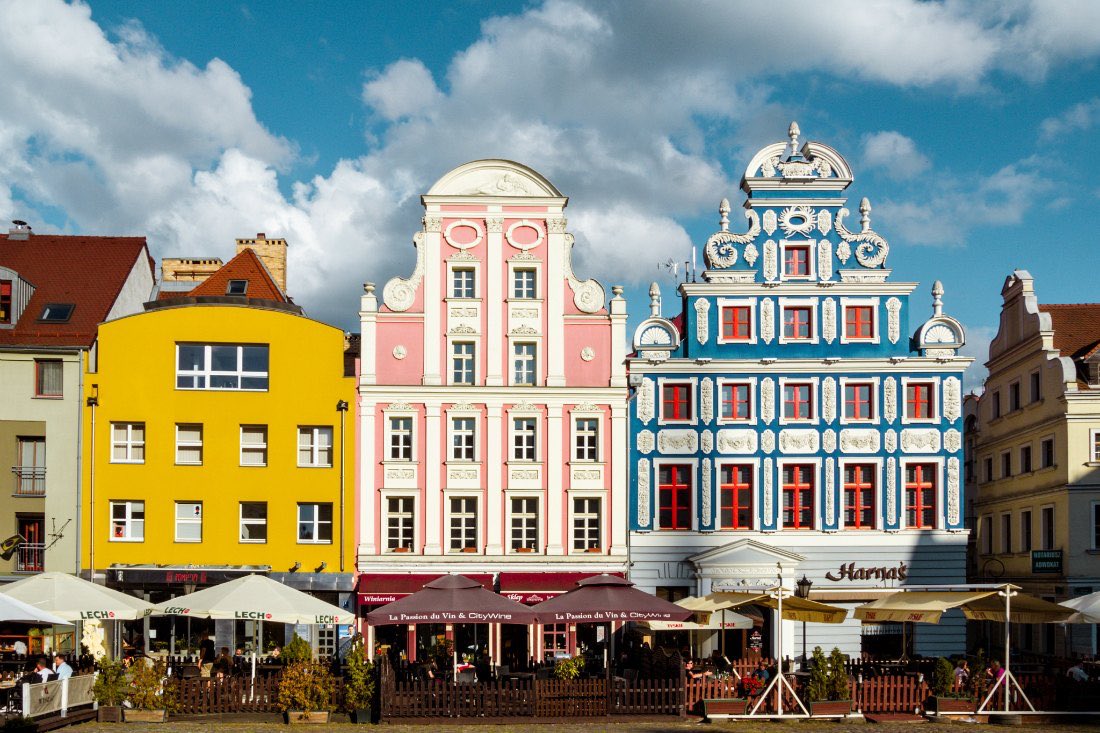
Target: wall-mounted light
342,406
321,568
295,567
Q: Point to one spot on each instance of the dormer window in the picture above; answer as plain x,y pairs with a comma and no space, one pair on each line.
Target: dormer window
5,301
57,312
236,287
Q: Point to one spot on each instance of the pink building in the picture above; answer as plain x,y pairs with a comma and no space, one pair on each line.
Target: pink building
493,413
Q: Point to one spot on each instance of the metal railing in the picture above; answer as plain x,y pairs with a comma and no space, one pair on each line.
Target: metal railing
30,557
29,480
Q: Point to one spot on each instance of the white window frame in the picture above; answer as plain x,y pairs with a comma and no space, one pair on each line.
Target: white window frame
128,442
1094,449
750,303
819,493
207,371
315,432
573,497
842,501
940,519
452,271
452,345
1053,527
757,498
177,521
937,408
243,522
815,396
655,487
694,382
842,321
180,443
534,496
531,362
575,438
387,495
815,331
391,433
526,269
479,526
753,401
875,383
317,522
513,434
1005,543
811,260
260,448
128,520
451,432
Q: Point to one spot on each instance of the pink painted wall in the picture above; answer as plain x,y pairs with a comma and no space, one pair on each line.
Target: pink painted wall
581,373
407,332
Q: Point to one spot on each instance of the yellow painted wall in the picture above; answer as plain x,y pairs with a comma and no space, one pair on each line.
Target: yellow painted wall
135,381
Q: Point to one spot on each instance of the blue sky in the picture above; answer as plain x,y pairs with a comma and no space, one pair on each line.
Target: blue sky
971,127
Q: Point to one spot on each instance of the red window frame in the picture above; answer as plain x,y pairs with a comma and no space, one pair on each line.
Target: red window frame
859,322
736,323
796,261
859,496
797,323
735,494
918,400
5,301
674,497
798,496
802,409
676,401
736,399
859,401
920,495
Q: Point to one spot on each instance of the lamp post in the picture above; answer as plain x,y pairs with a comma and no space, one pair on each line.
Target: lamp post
802,590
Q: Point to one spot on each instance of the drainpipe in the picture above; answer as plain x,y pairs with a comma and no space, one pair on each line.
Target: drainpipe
342,408
79,458
93,402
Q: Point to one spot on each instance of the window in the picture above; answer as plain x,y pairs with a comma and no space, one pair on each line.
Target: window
401,439
523,363
462,363
1096,525
1006,464
1006,534
859,496
463,447
1094,452
188,521
735,497
555,639
674,500
920,495
587,446
798,497
462,283
48,375
1046,527
736,323
1014,397
1025,530
30,474
1046,450
400,519
858,401
797,323
918,401
736,401
315,447
222,367
525,524
798,401
314,524
587,531
986,535
1025,459
859,322
523,284
236,287
5,301
1036,387
995,406
987,466
463,534
676,401
796,261
127,521
189,444
57,312
253,445
253,522
523,439
128,442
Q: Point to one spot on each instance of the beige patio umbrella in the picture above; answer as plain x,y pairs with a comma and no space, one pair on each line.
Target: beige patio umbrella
793,607
14,611
75,599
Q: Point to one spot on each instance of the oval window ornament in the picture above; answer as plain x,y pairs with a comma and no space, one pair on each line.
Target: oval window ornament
463,234
524,234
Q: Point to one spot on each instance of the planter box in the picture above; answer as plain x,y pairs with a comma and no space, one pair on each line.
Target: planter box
953,704
725,706
109,714
360,716
831,707
146,716
298,716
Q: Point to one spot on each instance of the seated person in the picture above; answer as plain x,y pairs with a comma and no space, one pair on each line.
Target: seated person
761,672
718,659
693,673
223,665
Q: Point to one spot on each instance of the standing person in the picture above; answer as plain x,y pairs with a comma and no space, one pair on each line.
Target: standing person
206,655
61,667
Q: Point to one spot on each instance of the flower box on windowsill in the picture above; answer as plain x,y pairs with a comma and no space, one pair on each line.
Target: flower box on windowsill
469,549
594,549
523,549
401,549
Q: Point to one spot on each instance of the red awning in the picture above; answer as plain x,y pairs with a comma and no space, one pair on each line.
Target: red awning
376,589
537,587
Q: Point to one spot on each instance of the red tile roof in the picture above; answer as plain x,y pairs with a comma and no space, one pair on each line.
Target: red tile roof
86,271
1076,327
248,266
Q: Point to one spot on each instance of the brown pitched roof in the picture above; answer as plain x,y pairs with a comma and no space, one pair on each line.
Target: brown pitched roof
86,271
247,266
1076,327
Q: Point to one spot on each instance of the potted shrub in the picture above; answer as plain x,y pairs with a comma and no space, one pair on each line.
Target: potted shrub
298,650
110,688
151,692
828,690
359,684
305,692
945,698
747,688
569,669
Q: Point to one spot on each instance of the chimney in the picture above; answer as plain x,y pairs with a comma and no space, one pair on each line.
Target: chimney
273,254
19,229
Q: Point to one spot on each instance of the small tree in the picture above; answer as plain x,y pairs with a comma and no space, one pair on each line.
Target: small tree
943,678
150,686
359,680
305,687
569,669
817,689
111,685
839,686
298,650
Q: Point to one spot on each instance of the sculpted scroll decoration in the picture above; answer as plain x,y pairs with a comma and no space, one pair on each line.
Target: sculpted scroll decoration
871,249
646,400
890,399
643,492
893,310
400,293
828,399
702,319
769,513
771,257
952,403
706,492
588,295
891,491
767,320
767,399
706,400
825,260
953,491
830,491
720,252
828,320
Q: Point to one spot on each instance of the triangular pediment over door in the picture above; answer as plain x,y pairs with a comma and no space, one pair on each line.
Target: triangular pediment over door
744,563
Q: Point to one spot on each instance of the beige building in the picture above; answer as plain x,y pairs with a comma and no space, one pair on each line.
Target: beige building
1034,465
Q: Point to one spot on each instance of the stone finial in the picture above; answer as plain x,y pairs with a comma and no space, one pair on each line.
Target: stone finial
368,288
655,300
793,132
865,214
617,291
937,299
724,215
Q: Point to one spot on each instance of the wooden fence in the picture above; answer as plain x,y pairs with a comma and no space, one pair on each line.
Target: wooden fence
201,696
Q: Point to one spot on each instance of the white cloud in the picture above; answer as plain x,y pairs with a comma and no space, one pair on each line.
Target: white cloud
895,154
404,89
977,343
1078,118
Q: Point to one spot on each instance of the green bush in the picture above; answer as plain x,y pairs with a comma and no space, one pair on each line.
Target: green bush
306,687
359,680
839,686
943,678
569,669
111,684
298,650
817,689
150,686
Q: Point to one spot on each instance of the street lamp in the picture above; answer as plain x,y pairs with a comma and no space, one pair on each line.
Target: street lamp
802,590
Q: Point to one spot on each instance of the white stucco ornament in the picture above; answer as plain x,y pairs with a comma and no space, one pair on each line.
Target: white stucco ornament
524,234
400,352
953,499
643,492
769,513
588,353
770,222
828,320
706,400
797,220
830,491
720,251
707,483
400,293
645,440
767,320
645,400
767,441
871,249
702,319
892,490
952,441
463,234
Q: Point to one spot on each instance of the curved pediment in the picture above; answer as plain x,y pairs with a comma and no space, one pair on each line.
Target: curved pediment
494,177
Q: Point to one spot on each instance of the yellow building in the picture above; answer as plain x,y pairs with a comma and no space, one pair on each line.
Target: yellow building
217,422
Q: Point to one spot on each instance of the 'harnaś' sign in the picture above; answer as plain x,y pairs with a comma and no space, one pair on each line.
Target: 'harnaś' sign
850,571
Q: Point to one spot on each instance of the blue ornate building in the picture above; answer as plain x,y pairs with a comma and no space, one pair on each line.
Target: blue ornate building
800,415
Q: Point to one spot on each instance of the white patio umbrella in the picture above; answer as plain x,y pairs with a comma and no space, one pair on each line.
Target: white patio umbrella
1086,609
75,599
15,611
